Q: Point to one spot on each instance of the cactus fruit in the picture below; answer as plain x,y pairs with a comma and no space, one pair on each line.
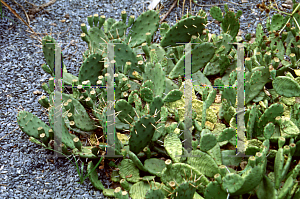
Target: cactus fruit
118,193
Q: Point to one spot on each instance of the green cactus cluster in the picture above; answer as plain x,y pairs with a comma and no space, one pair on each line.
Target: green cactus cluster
167,153
229,22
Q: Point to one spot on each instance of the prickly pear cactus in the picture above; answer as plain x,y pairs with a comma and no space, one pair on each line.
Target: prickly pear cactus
147,124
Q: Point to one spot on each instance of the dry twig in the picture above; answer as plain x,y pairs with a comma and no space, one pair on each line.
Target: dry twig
191,1
31,11
18,16
24,11
35,9
173,5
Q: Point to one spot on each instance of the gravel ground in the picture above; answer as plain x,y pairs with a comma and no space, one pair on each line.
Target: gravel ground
26,172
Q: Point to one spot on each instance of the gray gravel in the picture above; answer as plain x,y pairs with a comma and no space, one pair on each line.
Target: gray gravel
26,172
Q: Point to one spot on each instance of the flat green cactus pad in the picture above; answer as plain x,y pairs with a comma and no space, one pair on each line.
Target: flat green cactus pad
154,165
183,31
180,172
203,162
173,146
29,124
129,171
140,189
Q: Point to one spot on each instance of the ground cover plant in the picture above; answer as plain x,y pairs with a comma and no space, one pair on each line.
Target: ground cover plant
151,127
